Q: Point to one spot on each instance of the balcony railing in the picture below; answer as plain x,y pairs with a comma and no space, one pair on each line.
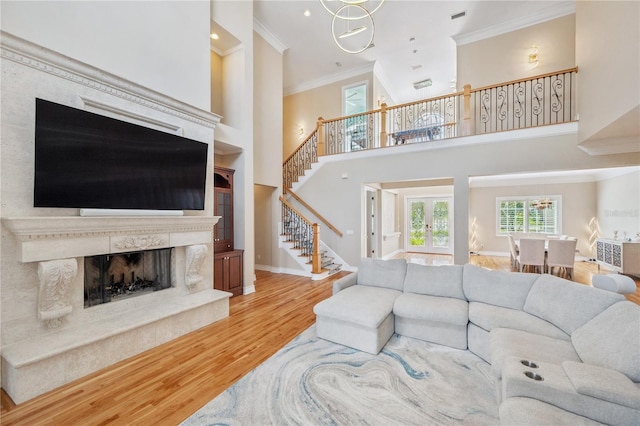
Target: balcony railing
537,101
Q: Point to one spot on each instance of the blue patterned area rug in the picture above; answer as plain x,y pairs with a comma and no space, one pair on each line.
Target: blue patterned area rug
314,382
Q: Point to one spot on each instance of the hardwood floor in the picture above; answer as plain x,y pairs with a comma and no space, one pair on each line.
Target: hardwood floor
167,384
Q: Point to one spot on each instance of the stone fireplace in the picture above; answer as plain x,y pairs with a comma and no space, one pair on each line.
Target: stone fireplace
73,339
49,336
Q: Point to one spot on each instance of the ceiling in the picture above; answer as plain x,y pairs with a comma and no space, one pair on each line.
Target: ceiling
312,59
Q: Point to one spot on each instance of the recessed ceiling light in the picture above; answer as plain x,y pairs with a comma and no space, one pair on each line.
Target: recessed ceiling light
307,12
214,36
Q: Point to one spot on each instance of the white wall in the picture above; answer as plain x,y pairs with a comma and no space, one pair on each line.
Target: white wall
579,202
619,205
608,54
267,142
303,109
506,57
341,199
390,223
238,81
162,45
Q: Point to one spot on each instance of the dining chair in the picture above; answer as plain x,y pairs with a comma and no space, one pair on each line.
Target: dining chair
513,251
562,254
531,253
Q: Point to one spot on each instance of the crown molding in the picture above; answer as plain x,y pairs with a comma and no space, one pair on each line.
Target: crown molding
566,8
32,55
331,78
269,36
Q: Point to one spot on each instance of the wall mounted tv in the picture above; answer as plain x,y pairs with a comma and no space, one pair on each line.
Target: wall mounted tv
86,160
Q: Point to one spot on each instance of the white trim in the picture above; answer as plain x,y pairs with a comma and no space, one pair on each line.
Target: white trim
121,112
527,199
345,87
393,254
379,73
290,271
328,79
553,12
450,143
129,212
29,54
268,36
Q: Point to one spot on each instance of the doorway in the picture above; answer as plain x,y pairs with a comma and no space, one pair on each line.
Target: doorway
429,225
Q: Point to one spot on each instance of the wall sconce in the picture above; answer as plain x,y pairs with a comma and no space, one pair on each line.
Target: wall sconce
533,57
300,130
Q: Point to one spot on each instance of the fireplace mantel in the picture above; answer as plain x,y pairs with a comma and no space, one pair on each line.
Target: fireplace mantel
47,238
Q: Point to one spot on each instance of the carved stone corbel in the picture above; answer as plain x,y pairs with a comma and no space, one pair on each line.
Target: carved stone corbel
195,258
54,297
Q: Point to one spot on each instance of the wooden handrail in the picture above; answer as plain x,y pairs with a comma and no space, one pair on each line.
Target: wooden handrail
288,204
451,95
522,80
313,211
346,117
295,151
437,98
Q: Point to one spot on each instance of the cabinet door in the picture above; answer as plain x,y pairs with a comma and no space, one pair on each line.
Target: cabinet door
600,250
218,273
616,257
235,273
224,228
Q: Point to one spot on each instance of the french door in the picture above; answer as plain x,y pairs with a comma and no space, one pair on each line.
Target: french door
430,225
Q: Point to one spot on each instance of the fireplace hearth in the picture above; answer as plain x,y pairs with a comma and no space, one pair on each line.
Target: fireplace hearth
120,276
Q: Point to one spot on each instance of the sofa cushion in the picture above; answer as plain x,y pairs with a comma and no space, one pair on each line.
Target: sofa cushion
489,317
566,304
382,273
523,411
360,304
506,343
499,288
612,339
445,281
432,308
602,383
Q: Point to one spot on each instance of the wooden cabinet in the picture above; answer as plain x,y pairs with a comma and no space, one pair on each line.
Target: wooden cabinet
620,256
227,271
227,262
223,207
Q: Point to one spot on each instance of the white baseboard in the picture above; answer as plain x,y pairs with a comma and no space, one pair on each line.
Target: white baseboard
392,254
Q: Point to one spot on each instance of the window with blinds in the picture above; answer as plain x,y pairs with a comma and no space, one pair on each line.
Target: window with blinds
520,214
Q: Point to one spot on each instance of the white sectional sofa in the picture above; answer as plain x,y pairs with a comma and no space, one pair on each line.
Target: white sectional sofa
561,352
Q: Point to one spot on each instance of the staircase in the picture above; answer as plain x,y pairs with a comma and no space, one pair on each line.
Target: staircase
299,237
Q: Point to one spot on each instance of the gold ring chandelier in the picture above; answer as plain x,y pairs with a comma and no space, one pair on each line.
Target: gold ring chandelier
352,26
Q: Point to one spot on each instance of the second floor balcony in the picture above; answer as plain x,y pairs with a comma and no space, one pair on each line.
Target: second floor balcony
542,100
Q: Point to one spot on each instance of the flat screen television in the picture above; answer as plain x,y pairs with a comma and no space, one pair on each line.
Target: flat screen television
89,161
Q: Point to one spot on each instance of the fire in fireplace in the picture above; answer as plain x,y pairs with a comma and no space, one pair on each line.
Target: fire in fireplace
112,277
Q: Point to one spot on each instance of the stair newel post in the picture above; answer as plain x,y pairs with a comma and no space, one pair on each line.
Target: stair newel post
383,125
466,111
320,136
316,258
